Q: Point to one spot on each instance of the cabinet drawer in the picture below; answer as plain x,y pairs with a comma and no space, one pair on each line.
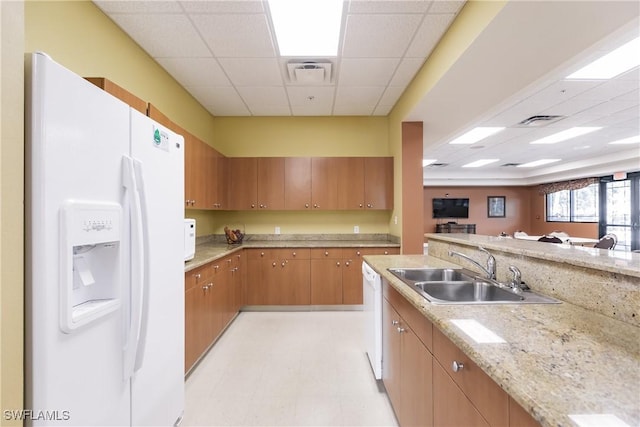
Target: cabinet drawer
420,325
482,391
322,253
196,276
382,251
278,254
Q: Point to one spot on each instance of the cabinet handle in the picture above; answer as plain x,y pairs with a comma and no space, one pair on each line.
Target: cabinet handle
400,330
315,205
283,263
395,322
369,205
358,253
338,263
306,205
457,366
215,267
326,253
274,264
205,288
347,263
361,205
229,261
253,206
197,276
293,254
261,253
386,252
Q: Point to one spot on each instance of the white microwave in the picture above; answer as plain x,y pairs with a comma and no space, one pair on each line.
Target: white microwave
189,238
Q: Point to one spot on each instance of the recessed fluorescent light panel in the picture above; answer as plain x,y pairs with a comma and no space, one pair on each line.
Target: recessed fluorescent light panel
480,163
631,140
307,27
538,163
476,134
427,162
565,134
612,64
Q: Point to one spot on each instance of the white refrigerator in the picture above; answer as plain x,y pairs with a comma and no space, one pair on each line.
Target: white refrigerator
105,272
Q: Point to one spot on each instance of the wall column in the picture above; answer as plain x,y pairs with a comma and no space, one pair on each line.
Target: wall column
412,191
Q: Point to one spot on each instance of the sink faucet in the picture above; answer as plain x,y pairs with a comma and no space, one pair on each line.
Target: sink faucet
490,270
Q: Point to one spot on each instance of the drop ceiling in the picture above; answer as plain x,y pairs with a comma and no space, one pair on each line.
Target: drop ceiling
224,53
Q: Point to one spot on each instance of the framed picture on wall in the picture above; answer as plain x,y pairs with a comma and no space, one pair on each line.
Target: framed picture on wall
496,206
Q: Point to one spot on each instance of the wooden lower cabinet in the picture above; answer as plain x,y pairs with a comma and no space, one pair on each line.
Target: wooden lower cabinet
278,276
451,407
406,370
336,274
418,374
213,296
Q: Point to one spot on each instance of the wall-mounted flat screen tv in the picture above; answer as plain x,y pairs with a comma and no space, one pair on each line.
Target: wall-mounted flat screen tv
451,208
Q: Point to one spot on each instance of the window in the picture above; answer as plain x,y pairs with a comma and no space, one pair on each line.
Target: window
574,205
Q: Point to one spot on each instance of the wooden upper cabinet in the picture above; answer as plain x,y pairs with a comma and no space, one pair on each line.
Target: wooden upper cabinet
350,171
242,178
271,178
219,189
119,92
378,182
324,183
297,183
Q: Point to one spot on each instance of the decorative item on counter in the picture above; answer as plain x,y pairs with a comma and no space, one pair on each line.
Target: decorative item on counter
234,237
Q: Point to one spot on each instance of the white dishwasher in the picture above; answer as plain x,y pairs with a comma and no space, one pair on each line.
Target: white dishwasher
372,295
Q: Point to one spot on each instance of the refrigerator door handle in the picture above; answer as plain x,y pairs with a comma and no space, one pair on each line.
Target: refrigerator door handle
144,314
137,269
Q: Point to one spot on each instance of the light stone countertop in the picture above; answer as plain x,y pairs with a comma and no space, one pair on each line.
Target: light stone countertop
558,359
208,250
581,256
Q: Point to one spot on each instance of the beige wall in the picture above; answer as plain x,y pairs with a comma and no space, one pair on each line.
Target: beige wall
79,36
470,22
11,207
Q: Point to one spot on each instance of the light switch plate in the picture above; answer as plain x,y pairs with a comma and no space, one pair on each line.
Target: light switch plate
356,229
277,230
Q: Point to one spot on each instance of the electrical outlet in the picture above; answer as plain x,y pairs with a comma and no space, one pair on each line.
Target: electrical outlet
395,219
277,230
356,229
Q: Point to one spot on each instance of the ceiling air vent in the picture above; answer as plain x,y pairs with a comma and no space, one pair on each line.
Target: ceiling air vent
437,165
539,121
309,72
510,165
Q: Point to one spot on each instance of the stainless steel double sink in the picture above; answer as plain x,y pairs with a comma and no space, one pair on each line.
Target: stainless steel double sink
462,286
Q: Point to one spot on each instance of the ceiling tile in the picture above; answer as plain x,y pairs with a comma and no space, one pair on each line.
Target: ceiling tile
610,89
446,6
195,71
359,101
220,101
252,72
236,36
391,95
378,36
265,101
382,110
321,97
428,35
406,71
237,6
366,71
177,38
111,6
395,6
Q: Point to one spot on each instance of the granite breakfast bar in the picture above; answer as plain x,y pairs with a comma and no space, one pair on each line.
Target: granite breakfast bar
562,363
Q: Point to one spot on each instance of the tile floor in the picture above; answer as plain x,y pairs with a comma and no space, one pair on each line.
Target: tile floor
287,369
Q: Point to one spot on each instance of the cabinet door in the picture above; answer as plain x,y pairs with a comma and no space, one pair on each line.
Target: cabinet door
324,183
326,281
518,417
119,92
271,183
450,406
220,184
350,173
256,292
378,182
391,354
242,175
297,183
416,406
